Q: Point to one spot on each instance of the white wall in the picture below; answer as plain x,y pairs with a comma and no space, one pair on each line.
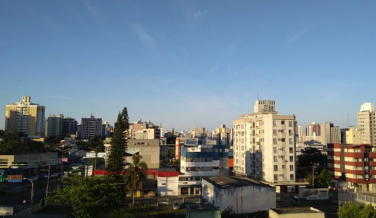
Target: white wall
246,199
168,186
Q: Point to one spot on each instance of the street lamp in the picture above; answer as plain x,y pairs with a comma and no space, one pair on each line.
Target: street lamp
32,190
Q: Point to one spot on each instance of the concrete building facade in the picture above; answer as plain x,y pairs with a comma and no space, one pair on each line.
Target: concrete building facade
144,130
90,127
353,163
69,126
25,117
149,149
353,136
242,195
264,144
54,125
367,123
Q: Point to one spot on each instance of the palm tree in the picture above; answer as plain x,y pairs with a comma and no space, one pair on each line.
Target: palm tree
135,173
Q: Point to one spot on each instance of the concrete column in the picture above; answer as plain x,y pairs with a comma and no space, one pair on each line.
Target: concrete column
189,191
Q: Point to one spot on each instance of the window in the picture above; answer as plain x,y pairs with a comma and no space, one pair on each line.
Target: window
291,150
283,139
290,141
274,123
291,176
282,122
275,177
274,141
290,123
274,132
274,150
275,167
291,158
291,167
283,166
290,132
275,159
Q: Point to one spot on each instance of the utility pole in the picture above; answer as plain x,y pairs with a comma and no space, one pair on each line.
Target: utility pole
48,179
313,176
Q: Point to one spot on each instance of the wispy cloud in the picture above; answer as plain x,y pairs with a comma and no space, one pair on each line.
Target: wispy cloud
200,14
143,36
297,36
57,96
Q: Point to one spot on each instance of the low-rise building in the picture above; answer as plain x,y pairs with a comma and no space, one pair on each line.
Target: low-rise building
296,212
242,195
168,182
149,149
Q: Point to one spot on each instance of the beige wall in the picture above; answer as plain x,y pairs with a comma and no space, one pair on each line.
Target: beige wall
353,136
149,149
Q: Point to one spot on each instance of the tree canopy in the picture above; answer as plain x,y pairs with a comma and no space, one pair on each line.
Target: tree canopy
90,195
115,160
13,142
311,157
351,210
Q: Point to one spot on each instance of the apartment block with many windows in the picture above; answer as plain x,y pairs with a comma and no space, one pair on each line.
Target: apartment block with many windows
264,144
356,164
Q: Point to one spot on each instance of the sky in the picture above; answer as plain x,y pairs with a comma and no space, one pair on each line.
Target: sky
189,63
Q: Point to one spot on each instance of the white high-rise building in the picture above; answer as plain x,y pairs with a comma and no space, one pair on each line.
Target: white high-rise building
25,117
367,124
264,144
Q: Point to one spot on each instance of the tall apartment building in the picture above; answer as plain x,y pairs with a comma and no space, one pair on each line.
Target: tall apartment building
223,136
90,127
54,125
329,133
69,126
144,130
313,129
353,163
264,144
353,136
25,117
367,123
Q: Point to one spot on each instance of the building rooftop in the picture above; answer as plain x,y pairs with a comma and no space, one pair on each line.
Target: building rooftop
294,210
201,207
224,182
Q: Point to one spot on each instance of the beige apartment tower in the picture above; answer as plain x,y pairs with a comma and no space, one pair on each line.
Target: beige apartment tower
264,144
25,117
367,124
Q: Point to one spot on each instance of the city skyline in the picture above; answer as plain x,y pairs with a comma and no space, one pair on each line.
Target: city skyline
188,64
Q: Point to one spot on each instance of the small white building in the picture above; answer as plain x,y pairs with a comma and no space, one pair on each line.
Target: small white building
242,195
168,180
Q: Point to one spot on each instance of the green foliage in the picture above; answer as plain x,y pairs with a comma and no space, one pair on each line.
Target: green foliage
115,161
311,157
13,142
324,179
135,174
349,210
90,195
368,212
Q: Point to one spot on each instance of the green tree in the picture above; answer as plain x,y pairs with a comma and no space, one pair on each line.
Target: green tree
311,157
349,210
135,174
324,178
115,160
89,196
368,212
96,145
14,142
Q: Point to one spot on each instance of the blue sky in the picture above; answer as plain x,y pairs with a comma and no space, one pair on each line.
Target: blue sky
189,63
